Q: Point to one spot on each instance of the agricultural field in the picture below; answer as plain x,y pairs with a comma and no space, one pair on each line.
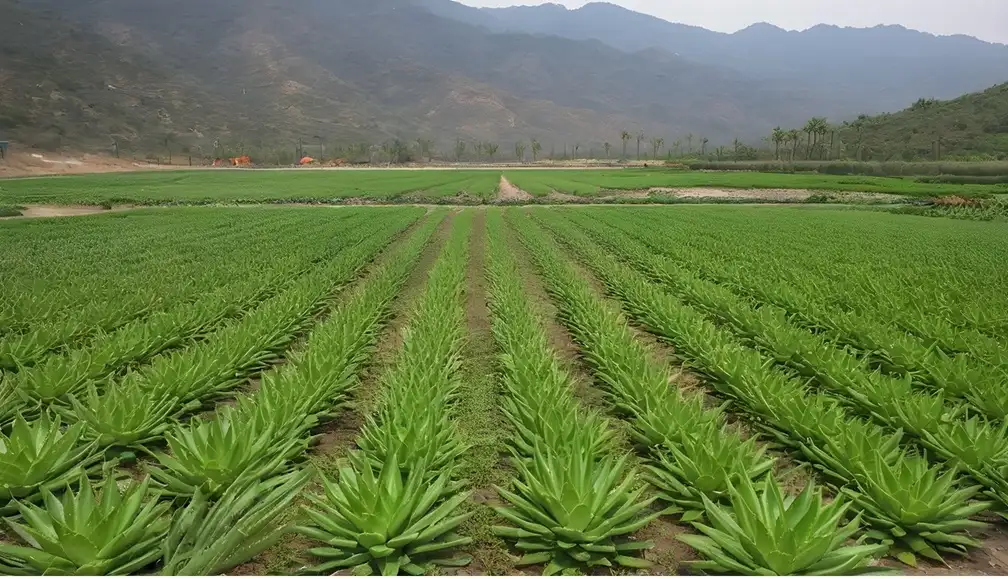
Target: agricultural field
454,187
503,390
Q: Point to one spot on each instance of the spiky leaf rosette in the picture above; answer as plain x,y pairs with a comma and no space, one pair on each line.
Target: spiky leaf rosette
572,512
37,456
126,415
111,532
210,539
211,455
706,464
922,510
763,533
386,524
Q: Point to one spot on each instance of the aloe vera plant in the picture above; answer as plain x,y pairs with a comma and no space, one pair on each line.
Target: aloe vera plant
573,514
762,532
211,455
40,456
386,523
126,414
705,465
917,507
210,538
95,531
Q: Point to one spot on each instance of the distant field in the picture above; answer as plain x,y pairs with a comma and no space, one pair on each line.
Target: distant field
450,186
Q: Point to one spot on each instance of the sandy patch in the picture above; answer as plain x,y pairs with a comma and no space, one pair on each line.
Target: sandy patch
508,193
34,164
777,195
39,211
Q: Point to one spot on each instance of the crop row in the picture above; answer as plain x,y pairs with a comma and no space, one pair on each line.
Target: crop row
574,502
918,509
979,378
232,258
93,366
139,409
703,469
225,524
950,296
395,506
49,281
979,446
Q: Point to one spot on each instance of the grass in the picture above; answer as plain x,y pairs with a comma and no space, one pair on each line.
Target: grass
10,210
435,186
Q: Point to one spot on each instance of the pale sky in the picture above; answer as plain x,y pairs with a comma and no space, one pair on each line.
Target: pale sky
985,19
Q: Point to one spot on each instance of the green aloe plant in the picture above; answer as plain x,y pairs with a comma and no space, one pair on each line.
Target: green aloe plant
211,538
762,532
110,532
211,455
972,441
916,506
705,465
39,456
386,523
572,512
126,415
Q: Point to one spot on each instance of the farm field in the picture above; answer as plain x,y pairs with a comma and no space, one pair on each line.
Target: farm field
502,390
465,186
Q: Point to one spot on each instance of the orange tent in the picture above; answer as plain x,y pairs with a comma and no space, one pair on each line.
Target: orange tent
306,161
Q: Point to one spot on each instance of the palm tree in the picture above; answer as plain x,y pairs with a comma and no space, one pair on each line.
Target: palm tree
491,150
811,128
536,147
777,136
625,137
656,147
607,147
640,137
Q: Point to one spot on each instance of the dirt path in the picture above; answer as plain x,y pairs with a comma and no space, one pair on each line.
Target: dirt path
508,193
39,211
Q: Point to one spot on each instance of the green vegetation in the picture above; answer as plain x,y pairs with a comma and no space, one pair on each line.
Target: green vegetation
10,210
430,186
725,345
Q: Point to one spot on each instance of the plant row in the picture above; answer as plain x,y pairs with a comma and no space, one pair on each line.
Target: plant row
979,446
574,502
979,379
138,410
920,510
395,506
75,372
703,469
233,487
227,260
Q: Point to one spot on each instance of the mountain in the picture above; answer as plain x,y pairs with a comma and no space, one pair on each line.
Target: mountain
867,70
973,126
261,74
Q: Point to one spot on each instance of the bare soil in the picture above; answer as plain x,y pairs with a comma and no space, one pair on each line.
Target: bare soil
36,211
508,193
38,164
778,195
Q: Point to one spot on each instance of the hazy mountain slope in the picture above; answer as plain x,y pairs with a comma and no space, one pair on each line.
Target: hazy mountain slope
869,70
371,69
974,125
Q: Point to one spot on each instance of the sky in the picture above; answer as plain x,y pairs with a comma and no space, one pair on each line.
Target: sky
985,19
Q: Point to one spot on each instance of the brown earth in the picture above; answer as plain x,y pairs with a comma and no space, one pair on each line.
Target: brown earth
779,195
508,193
38,164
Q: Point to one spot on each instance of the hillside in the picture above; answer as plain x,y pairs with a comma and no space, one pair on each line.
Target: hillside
866,70
257,75
973,126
